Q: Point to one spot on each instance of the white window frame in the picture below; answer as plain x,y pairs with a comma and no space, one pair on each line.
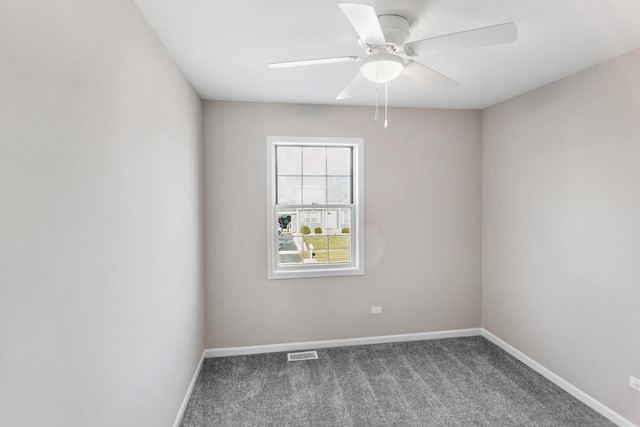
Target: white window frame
356,266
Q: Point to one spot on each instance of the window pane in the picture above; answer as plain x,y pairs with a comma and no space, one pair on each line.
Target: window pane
332,247
314,160
312,224
345,218
288,253
312,219
339,189
314,190
345,221
316,250
288,220
339,161
339,249
289,160
288,243
332,221
289,190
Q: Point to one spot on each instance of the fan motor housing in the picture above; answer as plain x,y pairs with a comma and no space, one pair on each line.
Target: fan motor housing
395,29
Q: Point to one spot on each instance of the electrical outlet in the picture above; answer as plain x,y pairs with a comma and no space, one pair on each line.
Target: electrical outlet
634,383
376,309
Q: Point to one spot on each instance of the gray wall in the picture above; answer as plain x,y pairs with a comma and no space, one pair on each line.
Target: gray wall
561,228
422,222
101,313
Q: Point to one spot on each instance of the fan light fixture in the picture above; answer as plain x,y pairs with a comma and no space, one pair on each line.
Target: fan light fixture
382,67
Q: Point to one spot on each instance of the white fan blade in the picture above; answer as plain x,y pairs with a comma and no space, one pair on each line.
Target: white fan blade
313,62
487,36
365,21
353,87
427,76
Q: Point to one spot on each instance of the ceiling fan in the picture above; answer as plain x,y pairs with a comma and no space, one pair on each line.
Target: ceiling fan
388,51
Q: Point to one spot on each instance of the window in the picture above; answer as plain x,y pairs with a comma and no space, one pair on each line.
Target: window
315,191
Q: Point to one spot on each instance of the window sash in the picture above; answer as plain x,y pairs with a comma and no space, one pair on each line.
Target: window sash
325,232
327,180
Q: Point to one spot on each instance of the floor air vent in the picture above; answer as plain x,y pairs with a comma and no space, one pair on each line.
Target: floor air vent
303,355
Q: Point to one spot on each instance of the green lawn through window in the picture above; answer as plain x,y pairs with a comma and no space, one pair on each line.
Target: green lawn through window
339,249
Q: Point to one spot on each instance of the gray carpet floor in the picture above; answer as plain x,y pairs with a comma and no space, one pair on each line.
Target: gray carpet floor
448,382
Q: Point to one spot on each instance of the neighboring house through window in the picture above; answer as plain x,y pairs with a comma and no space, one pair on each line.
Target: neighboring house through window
315,207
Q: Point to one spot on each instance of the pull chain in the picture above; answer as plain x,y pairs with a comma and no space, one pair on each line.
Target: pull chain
376,114
375,117
386,123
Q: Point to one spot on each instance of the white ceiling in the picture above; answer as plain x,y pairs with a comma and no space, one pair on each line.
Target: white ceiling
223,47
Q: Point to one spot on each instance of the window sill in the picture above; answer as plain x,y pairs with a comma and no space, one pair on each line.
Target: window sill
311,272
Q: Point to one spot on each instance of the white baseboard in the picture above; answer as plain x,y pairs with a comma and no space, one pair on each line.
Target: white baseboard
312,345
559,381
187,396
